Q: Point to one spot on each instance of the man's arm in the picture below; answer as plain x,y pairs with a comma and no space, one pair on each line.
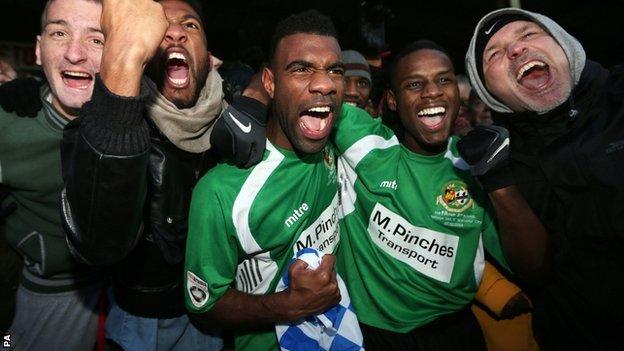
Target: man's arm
105,159
356,125
523,237
500,296
310,292
213,255
133,30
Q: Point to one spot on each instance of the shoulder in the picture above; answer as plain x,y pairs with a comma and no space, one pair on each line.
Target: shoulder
452,154
353,111
226,180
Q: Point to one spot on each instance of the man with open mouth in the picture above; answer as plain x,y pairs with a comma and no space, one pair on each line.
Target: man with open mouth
140,147
415,220
246,224
566,125
57,297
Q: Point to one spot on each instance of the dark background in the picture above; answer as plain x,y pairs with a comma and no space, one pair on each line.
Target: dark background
241,29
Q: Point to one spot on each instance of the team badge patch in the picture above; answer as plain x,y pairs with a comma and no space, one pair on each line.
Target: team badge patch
330,163
328,158
455,197
197,289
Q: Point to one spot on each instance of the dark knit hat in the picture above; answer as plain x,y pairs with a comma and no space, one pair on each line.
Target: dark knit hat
356,65
489,29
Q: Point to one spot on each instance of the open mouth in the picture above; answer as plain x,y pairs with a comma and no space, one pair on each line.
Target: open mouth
77,79
533,75
177,70
315,122
432,117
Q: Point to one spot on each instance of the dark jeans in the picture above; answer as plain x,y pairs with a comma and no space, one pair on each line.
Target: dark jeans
454,332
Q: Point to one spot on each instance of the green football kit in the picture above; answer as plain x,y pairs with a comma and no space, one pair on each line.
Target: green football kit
246,224
413,227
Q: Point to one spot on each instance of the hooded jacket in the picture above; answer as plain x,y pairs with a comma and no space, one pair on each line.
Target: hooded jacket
569,165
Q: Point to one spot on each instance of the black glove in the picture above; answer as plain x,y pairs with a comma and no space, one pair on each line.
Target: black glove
486,150
240,132
517,305
5,211
21,96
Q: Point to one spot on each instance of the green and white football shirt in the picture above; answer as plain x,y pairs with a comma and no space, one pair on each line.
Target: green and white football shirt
413,228
246,224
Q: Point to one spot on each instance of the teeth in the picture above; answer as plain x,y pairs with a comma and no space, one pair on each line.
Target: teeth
77,74
431,111
176,55
178,81
320,109
527,67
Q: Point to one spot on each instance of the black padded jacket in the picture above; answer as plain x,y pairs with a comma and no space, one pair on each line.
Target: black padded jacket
569,165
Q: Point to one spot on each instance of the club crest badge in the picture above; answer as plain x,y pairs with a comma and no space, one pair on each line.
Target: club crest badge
455,197
197,290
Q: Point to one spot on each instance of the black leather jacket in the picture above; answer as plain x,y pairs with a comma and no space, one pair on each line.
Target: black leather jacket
126,202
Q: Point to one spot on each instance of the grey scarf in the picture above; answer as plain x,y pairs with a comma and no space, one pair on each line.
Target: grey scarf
189,129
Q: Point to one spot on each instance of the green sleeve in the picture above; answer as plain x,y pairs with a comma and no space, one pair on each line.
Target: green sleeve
354,124
491,240
212,248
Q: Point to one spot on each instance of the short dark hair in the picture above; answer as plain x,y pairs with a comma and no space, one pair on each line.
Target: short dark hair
417,45
44,12
198,7
308,22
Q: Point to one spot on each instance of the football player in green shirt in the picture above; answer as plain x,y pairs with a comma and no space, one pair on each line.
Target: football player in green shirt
246,224
416,221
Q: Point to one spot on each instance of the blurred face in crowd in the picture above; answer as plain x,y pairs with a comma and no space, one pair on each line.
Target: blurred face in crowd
426,98
480,112
464,97
69,49
182,62
306,83
357,91
526,69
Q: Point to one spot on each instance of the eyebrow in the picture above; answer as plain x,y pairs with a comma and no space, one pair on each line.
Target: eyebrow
421,76
337,65
518,31
308,64
59,22
298,63
190,16
65,23
93,29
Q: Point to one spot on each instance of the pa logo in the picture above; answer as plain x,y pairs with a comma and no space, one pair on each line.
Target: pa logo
6,341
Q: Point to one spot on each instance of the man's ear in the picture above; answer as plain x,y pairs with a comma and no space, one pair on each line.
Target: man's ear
268,81
38,50
391,99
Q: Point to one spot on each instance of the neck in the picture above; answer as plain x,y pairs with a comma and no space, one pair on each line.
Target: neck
276,134
67,112
421,148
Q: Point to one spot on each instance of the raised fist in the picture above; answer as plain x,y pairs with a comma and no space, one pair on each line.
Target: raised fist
133,27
